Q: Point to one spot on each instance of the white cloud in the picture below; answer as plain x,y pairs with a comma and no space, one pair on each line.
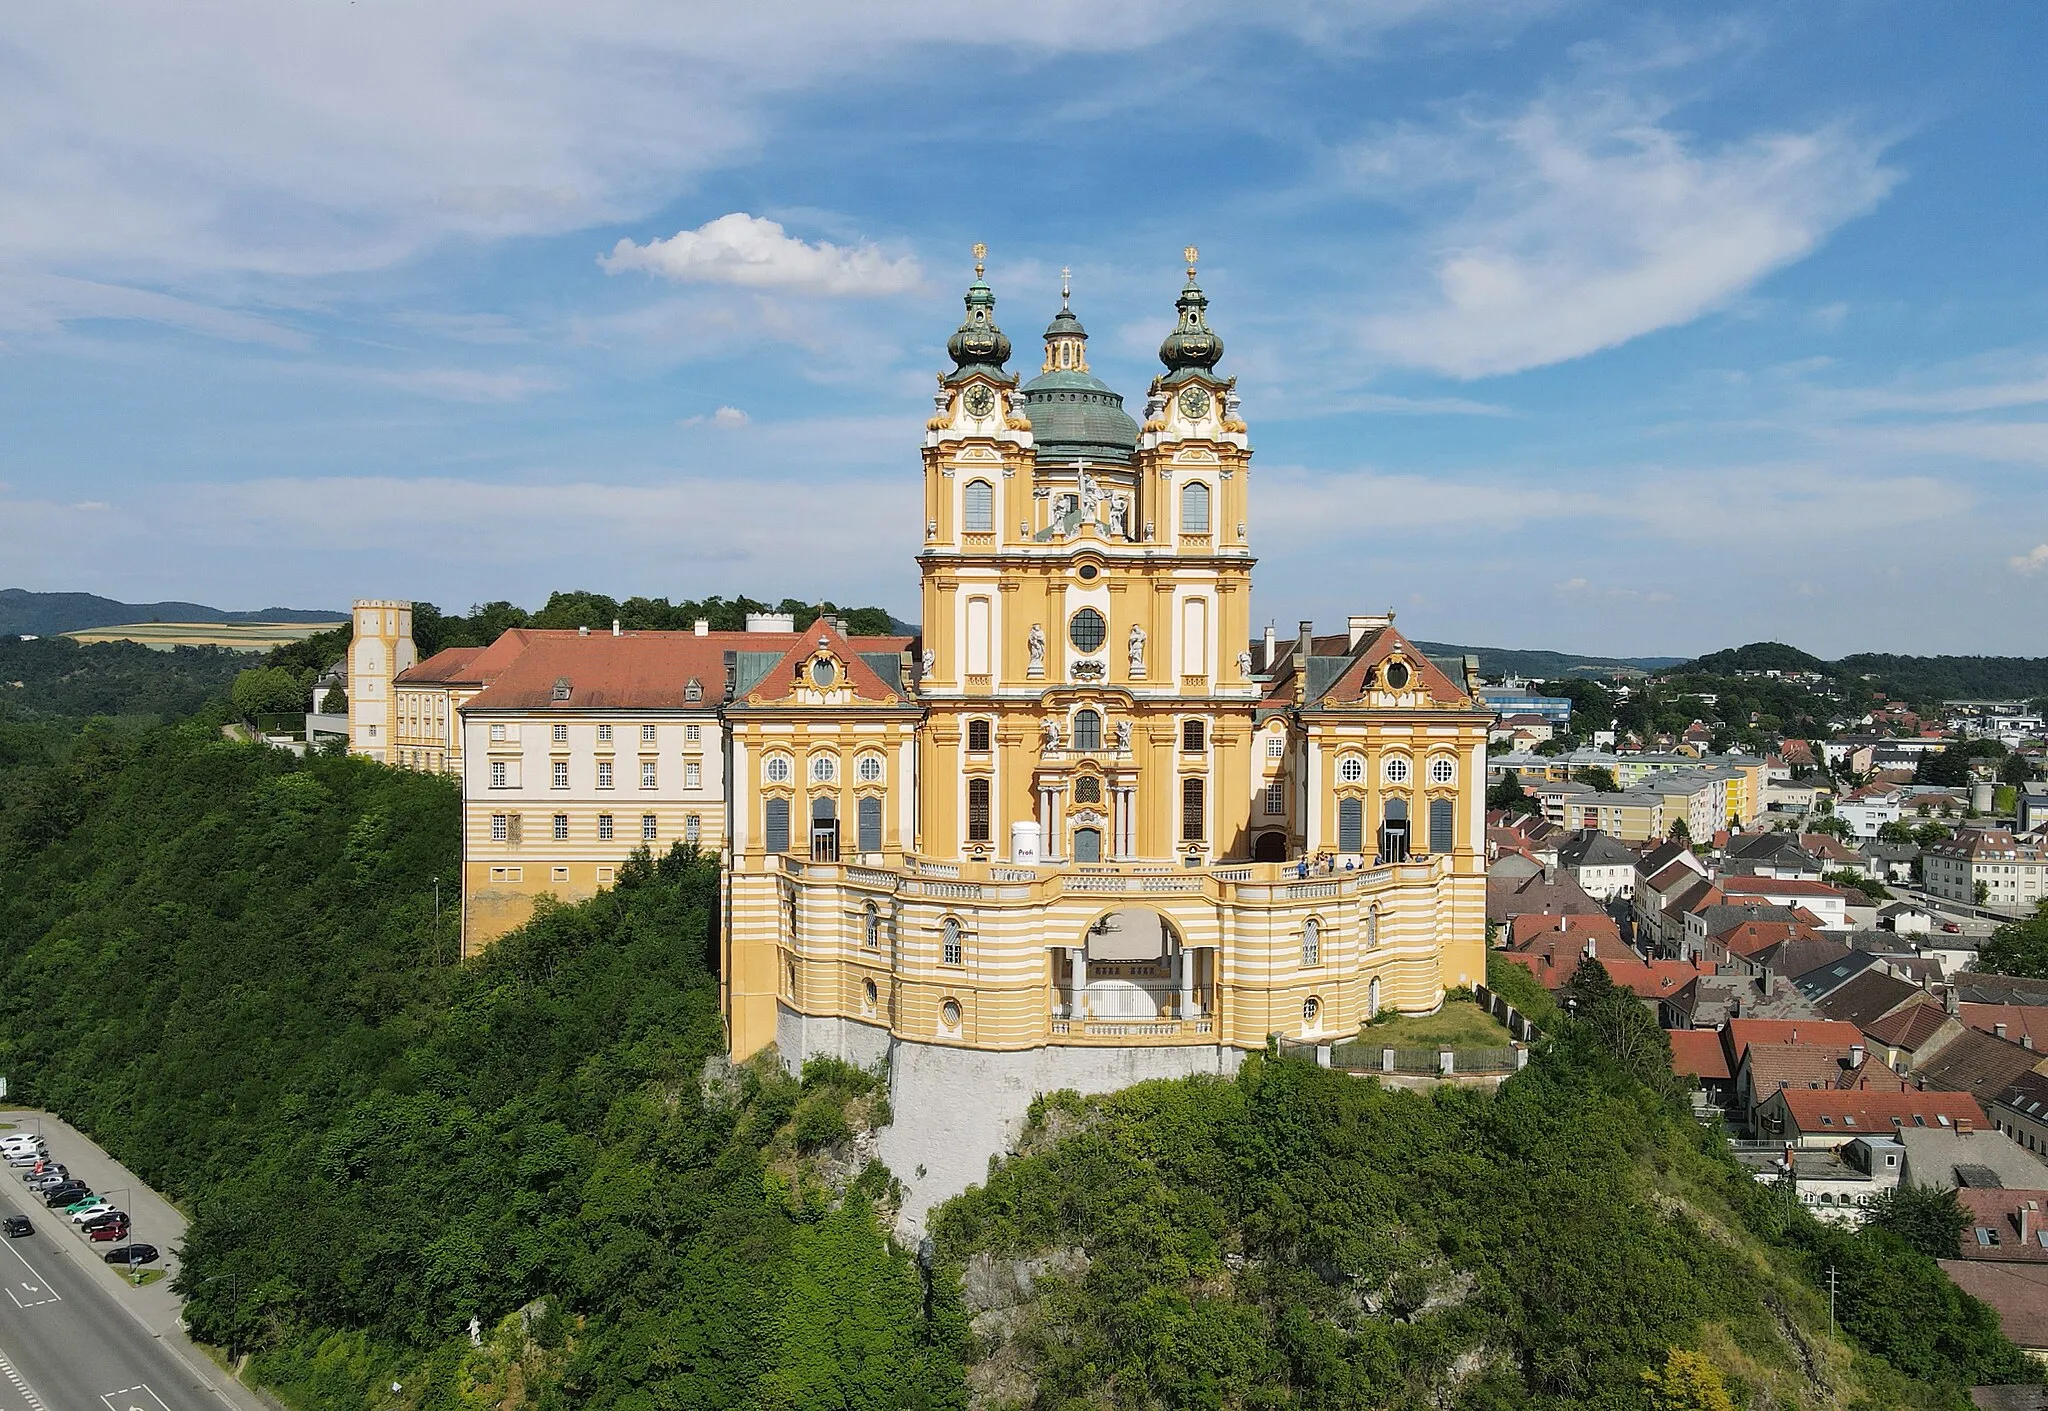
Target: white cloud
2032,561
728,417
756,253
1589,222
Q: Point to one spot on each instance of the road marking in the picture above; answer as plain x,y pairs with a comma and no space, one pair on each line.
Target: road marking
35,1284
28,1393
131,1399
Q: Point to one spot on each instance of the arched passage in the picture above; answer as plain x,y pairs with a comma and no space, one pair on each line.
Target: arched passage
1270,847
1131,966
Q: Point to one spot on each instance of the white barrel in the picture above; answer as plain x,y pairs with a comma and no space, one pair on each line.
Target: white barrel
1024,839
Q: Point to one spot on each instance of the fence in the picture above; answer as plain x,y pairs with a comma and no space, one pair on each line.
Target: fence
1362,1055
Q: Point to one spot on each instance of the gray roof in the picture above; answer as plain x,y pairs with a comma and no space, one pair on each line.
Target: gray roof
1935,1155
1591,848
1075,414
1830,975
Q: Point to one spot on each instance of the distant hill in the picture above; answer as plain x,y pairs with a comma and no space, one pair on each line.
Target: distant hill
1539,665
23,613
1916,678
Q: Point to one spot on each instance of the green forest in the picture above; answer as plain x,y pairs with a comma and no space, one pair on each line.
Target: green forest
224,962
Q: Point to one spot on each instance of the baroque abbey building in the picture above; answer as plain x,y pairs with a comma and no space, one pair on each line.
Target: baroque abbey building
1086,828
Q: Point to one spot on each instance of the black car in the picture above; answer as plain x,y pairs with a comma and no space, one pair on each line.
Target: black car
132,1254
65,1194
17,1226
105,1218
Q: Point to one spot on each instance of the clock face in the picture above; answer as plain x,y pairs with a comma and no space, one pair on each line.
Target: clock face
979,401
1194,403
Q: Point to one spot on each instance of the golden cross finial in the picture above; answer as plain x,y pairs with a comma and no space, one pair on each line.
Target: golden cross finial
1189,255
980,254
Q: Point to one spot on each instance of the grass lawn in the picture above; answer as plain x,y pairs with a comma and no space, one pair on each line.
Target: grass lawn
1459,1024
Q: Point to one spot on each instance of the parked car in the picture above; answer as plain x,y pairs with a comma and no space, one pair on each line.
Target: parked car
1954,928
48,1180
85,1199
64,1194
17,1225
105,1217
132,1254
102,1206
28,1156
106,1234
14,1139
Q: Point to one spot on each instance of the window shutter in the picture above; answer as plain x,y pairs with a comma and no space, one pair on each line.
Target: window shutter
1350,825
1193,812
1442,825
778,825
870,825
1194,508
977,811
981,507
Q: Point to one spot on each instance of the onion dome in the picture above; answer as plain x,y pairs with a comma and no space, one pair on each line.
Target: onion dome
1074,414
1192,346
977,345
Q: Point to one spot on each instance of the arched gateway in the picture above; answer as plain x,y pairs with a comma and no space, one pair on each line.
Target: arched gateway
1131,965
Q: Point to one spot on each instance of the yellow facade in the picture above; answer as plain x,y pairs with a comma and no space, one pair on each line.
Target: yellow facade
1100,814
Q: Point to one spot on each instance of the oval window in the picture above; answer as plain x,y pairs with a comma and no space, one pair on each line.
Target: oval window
1088,572
1351,770
1397,675
777,769
870,768
949,1014
1396,770
1087,631
823,673
1443,770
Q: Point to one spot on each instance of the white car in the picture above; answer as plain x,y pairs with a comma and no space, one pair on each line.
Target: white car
98,1207
19,1140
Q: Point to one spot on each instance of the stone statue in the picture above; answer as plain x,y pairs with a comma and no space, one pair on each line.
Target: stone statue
1137,650
1119,515
1049,735
1244,664
1037,645
930,663
1123,737
1091,499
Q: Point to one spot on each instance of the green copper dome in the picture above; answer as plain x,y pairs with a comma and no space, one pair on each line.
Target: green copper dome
1074,414
1192,346
977,345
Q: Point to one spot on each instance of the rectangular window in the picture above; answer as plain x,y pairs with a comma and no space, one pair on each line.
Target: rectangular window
604,827
604,876
693,828
1191,736
1350,825
977,737
499,774
561,827
500,829
604,734
604,774
1194,637
647,829
776,813
561,734
693,734
508,874
977,811
647,734
977,636
1193,814
952,951
693,775
870,814
1276,747
561,774
497,732
1276,799
561,876
646,773
1443,830
981,507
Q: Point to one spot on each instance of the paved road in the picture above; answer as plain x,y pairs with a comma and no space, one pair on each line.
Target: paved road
75,1335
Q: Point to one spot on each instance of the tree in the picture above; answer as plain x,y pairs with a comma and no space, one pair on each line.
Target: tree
2018,947
268,690
1982,891
2017,770
1928,1218
1510,795
1857,882
1679,833
1591,983
1951,767
1687,1382
1598,776
1831,825
1897,831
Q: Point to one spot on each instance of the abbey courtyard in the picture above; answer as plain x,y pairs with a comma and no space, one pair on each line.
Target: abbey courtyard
1085,827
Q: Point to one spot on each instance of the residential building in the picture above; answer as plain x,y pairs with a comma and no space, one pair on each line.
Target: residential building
1911,1035
1546,891
1604,867
1827,1116
1515,697
1825,902
1980,1064
1834,1183
2020,1110
2012,871
2017,1293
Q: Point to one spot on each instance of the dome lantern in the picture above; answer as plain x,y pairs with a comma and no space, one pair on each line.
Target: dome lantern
977,345
1193,346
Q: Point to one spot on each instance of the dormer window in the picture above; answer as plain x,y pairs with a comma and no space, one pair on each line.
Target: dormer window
693,692
824,672
561,688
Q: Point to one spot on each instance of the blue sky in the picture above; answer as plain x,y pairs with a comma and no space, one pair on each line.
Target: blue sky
1610,328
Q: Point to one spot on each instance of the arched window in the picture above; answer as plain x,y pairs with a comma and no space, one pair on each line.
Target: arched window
870,825
951,949
1191,736
1350,825
1311,942
1372,996
1087,845
977,737
1087,730
824,830
981,507
1087,789
871,935
1194,811
977,811
1372,939
1394,832
778,825
1194,508
1312,1013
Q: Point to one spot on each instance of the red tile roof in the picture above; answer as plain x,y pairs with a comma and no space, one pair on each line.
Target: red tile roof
449,666
1777,886
2021,1021
1830,1033
631,671
1910,1027
1868,1111
1532,928
2018,1293
1699,1052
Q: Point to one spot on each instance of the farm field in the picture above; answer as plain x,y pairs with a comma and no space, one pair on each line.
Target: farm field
235,636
